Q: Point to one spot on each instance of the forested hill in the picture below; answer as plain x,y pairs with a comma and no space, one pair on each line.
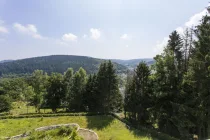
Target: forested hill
54,63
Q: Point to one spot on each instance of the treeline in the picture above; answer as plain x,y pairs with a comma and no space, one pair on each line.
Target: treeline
75,91
174,94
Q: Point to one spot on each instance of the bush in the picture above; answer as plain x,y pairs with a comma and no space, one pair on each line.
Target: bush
65,131
4,114
5,103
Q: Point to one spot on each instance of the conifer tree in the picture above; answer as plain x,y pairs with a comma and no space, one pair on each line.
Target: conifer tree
109,95
91,98
199,77
138,95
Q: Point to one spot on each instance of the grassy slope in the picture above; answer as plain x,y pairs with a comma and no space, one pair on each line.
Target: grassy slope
107,127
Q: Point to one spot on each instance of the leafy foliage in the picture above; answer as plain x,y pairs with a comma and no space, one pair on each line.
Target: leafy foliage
39,81
5,103
77,90
56,91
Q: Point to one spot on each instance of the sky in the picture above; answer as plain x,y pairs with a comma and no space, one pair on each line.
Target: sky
111,29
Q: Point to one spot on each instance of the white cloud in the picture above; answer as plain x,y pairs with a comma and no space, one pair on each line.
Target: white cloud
95,33
192,22
69,37
1,22
161,45
60,42
84,36
29,29
180,30
125,37
126,46
3,30
195,20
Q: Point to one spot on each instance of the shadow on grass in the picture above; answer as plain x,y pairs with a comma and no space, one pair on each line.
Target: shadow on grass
139,134
139,131
99,122
152,133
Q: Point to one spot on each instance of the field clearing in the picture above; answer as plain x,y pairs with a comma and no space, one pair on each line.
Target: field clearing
106,127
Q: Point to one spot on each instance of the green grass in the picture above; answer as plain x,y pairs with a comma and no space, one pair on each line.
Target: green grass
106,127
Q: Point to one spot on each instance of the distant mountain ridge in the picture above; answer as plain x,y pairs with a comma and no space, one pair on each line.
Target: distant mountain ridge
54,63
134,62
3,61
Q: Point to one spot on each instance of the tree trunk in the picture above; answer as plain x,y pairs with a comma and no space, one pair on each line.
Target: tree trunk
125,113
199,133
206,130
27,108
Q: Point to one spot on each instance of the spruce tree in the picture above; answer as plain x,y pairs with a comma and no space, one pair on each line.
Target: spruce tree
168,75
90,97
108,86
138,95
199,77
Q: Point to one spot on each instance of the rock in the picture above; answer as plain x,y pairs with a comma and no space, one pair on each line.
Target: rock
87,134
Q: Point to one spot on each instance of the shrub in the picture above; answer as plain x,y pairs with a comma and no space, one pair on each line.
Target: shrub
65,131
5,103
36,115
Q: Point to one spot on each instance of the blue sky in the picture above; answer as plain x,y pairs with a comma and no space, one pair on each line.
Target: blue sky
122,29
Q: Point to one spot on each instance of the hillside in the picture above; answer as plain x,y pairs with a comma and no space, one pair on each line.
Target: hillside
132,63
54,63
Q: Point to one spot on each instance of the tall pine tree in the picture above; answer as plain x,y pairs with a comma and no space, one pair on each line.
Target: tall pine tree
109,94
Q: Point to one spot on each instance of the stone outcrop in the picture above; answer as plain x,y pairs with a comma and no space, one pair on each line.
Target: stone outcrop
87,134
45,128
